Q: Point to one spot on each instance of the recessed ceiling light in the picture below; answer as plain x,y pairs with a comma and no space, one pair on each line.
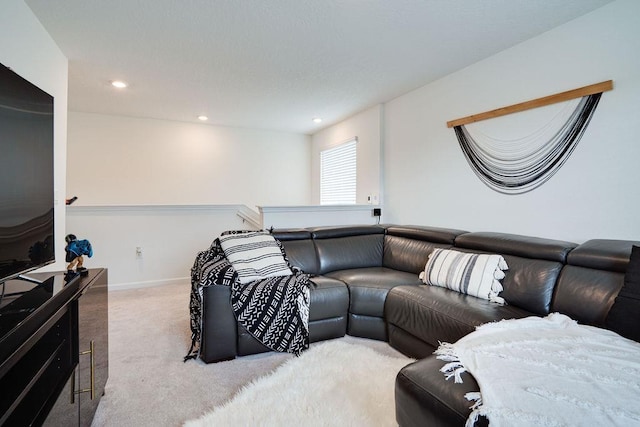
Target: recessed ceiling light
317,120
203,118
119,84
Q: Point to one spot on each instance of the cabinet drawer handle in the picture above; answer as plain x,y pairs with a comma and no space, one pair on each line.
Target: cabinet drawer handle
73,386
92,364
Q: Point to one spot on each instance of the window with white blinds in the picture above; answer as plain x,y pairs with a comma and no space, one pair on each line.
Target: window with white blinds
338,174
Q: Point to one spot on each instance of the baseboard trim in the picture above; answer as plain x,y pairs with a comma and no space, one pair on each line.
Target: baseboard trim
147,284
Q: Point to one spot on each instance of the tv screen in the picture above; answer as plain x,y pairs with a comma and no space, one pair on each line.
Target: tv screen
26,176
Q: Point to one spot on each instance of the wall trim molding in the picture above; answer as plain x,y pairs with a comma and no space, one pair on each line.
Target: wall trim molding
316,208
114,287
84,209
317,215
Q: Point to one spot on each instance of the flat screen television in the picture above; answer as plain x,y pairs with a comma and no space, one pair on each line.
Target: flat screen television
26,176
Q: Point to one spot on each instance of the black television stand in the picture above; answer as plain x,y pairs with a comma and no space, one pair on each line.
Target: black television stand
44,280
30,279
54,350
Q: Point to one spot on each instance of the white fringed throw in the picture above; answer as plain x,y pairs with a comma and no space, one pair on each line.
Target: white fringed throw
548,372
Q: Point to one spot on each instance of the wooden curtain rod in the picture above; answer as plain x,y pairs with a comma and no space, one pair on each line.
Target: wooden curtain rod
535,103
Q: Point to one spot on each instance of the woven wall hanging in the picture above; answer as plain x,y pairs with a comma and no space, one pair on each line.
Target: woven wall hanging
521,165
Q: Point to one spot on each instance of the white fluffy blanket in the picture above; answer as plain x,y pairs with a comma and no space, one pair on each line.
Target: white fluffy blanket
334,383
548,372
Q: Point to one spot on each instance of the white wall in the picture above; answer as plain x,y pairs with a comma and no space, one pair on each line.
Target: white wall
594,195
172,188
120,161
367,127
116,160
170,237
29,51
316,216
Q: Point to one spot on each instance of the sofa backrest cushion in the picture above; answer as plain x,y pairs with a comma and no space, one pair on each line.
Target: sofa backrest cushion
529,283
589,284
429,234
513,244
534,265
342,248
602,254
408,248
299,248
408,255
586,294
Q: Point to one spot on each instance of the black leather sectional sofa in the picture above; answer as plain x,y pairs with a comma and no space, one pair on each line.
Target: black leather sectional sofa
367,285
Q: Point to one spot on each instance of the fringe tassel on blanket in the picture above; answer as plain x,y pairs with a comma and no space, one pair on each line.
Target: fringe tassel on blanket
475,408
454,368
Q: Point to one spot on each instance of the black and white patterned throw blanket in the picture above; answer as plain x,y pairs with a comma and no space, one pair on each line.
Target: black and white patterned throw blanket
274,309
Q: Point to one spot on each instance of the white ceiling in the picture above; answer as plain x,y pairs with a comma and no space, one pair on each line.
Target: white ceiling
277,64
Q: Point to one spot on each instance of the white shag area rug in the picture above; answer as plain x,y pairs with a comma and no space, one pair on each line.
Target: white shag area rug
331,384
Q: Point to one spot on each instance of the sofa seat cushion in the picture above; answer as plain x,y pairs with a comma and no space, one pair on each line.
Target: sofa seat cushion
368,287
328,310
425,398
433,314
329,298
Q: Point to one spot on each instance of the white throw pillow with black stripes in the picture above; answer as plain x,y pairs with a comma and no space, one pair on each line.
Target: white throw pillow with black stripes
472,274
254,255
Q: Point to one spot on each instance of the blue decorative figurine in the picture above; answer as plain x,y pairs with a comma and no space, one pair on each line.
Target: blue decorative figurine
75,250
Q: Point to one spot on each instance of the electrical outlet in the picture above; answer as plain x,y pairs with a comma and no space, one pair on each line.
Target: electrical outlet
377,212
138,252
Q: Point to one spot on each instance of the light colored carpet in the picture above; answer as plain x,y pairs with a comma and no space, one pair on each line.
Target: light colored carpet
149,385
334,383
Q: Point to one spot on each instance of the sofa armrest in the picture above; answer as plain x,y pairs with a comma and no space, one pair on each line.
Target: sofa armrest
425,398
219,326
